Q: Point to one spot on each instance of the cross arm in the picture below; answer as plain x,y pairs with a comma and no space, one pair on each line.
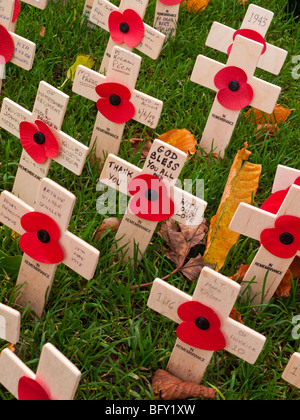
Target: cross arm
188,208
284,178
148,109
11,211
24,52
291,204
205,70
10,321
250,221
100,13
86,81
40,4
73,154
12,115
152,42
265,95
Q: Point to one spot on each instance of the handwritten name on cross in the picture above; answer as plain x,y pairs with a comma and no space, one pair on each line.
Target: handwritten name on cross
204,324
255,25
279,235
49,108
166,16
10,321
13,48
119,101
163,164
46,242
56,377
236,88
126,27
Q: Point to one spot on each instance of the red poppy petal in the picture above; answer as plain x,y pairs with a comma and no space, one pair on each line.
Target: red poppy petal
136,31
35,221
170,2
49,253
118,114
105,90
210,340
7,47
17,9
226,75
274,202
35,151
250,34
30,390
269,239
114,21
236,100
190,311
51,146
159,208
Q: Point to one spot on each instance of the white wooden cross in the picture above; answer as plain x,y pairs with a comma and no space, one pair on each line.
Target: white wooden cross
50,107
164,162
56,377
36,277
20,52
40,4
221,122
166,16
267,270
10,320
152,40
258,20
219,294
123,69
87,12
291,373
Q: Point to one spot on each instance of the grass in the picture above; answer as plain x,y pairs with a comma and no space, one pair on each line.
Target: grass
104,326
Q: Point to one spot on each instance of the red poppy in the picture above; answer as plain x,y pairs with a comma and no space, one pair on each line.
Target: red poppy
7,46
250,34
170,2
114,103
283,240
127,27
201,327
234,91
38,141
40,241
150,198
30,390
274,202
17,10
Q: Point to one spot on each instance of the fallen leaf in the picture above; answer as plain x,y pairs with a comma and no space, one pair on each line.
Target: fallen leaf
241,187
279,115
234,314
84,60
269,129
182,139
239,276
167,387
111,223
195,5
42,30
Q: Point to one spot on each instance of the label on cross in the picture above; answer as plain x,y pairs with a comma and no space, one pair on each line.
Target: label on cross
212,300
278,234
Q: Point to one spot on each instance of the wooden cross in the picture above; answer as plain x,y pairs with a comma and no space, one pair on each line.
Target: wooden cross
56,377
123,69
164,162
257,21
10,320
166,16
151,40
18,50
36,277
50,107
217,293
268,267
242,61
40,4
87,12
291,373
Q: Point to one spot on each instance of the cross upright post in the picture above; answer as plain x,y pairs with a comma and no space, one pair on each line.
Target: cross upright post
204,324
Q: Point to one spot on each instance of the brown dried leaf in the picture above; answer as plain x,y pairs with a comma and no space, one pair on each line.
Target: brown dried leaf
111,223
182,139
136,145
234,314
278,116
167,387
193,268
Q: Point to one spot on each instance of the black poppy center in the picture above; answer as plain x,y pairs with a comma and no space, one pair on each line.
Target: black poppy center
202,323
43,236
39,138
115,100
286,238
151,195
234,86
124,27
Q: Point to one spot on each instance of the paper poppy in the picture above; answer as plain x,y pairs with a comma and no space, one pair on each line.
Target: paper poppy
7,46
171,2
201,327
38,141
17,9
274,202
150,198
127,27
250,34
234,91
114,103
40,241
283,240
30,390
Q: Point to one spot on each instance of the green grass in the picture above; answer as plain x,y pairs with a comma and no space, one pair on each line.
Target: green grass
104,326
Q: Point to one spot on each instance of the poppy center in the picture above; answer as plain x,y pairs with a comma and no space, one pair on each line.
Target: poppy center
151,195
286,238
39,138
124,27
234,85
202,323
115,100
43,236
